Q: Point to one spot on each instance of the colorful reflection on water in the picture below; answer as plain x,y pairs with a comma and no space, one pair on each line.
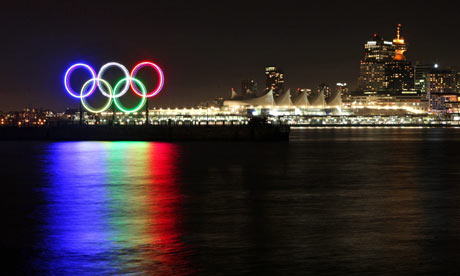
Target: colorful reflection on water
113,208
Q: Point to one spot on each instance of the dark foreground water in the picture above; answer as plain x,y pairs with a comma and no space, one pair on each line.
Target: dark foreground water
329,202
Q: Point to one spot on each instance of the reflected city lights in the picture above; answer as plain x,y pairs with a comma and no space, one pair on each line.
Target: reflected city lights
100,220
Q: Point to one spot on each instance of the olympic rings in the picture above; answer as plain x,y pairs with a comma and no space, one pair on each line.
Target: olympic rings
160,75
142,102
125,71
129,80
67,76
83,99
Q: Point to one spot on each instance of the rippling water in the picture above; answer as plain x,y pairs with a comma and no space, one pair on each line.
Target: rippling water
328,202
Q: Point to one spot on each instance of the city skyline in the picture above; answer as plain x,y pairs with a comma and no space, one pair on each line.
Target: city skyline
45,38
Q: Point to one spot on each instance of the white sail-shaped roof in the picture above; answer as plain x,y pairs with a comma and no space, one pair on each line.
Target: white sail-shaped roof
234,95
301,100
265,100
335,99
285,99
317,99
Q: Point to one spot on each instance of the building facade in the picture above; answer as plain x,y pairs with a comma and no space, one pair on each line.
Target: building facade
399,76
442,81
274,80
384,69
372,68
442,90
421,74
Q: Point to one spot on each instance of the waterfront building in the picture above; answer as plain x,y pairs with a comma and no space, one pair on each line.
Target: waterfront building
274,80
335,99
445,102
301,99
284,99
265,100
317,99
442,90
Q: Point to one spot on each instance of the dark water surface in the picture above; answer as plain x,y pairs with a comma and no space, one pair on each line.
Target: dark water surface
328,202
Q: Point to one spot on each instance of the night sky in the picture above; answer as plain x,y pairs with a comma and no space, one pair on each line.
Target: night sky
205,49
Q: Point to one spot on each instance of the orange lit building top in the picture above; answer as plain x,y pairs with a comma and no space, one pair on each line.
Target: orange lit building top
400,45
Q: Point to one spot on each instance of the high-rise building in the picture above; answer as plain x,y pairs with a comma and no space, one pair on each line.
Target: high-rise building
384,68
372,69
249,88
399,73
275,80
399,76
421,74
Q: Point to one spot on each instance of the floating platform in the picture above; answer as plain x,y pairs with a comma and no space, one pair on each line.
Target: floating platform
265,132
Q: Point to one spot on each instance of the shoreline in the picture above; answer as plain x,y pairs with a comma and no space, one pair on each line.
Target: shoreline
373,126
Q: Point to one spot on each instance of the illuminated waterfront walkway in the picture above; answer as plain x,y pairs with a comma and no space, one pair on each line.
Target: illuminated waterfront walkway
352,116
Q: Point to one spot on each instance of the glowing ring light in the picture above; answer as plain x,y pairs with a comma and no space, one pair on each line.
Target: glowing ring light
83,99
106,89
141,103
101,72
67,84
160,75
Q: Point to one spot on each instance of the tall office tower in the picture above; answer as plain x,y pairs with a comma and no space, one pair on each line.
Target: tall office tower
421,74
325,89
372,68
249,88
275,80
385,68
399,76
399,73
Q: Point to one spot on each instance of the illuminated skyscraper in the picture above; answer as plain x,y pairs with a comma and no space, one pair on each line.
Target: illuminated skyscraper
399,76
399,73
275,80
421,74
385,68
372,69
